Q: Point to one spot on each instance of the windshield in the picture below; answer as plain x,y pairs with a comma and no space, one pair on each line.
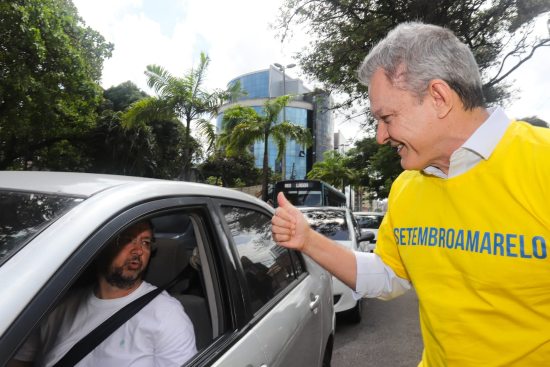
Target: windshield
303,197
24,214
369,221
331,223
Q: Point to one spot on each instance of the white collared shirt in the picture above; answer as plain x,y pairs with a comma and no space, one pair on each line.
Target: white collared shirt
374,277
479,145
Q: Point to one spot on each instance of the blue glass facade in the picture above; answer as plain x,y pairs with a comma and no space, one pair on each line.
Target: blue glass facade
256,85
295,162
266,84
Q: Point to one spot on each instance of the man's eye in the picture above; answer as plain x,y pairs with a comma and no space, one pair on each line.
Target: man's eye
124,240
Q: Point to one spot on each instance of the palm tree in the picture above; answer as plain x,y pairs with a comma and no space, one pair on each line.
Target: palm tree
243,126
334,170
184,99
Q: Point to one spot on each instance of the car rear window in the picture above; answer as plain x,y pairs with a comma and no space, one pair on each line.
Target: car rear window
24,214
330,223
369,221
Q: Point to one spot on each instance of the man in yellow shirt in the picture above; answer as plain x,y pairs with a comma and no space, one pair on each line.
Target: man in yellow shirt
468,223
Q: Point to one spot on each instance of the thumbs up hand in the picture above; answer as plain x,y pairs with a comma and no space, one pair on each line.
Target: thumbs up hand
289,227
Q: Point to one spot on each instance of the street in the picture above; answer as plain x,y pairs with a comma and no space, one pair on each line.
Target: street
388,336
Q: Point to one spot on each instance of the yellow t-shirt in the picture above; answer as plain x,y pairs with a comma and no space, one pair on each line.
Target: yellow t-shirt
476,247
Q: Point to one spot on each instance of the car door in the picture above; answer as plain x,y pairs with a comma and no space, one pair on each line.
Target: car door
231,344
286,301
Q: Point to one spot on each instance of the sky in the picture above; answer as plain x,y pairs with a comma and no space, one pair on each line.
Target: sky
238,37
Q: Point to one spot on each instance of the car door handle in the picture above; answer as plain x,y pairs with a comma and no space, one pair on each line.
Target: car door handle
315,300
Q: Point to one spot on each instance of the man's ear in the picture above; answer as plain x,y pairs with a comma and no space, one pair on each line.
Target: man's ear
442,96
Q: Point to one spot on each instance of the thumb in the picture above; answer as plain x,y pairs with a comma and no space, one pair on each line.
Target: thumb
282,200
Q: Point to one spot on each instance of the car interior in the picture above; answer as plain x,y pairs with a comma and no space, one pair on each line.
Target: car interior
176,252
178,255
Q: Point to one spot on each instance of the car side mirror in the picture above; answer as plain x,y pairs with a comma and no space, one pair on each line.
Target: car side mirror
366,236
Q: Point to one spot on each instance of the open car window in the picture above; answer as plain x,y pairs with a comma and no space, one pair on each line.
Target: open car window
174,255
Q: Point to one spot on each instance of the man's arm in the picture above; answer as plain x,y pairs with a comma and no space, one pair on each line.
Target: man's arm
375,279
365,273
290,229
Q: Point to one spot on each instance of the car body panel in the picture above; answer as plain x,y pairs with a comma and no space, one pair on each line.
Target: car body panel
293,332
344,299
344,295
247,351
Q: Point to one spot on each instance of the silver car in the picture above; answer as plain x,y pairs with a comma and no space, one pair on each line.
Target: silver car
52,226
338,224
369,222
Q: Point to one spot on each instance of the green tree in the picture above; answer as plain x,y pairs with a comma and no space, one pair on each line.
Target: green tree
230,169
152,149
50,65
384,167
333,169
243,126
180,98
377,166
498,32
121,96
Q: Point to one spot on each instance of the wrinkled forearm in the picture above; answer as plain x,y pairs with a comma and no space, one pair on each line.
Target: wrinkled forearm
335,258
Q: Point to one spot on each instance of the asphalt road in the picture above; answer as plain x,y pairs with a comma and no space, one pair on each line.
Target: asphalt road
388,335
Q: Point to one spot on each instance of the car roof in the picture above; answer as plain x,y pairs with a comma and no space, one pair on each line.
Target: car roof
68,183
88,184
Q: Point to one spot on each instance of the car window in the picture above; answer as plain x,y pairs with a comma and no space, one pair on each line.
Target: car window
24,214
173,264
177,256
304,197
369,221
330,223
267,267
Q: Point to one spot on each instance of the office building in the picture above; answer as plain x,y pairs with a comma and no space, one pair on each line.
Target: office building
308,109
341,144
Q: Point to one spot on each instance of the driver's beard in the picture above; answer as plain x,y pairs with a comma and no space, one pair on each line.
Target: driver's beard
117,279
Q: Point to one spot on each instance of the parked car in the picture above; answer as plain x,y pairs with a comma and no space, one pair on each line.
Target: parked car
52,226
369,222
338,224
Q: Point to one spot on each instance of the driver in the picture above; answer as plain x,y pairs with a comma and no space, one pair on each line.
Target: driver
160,334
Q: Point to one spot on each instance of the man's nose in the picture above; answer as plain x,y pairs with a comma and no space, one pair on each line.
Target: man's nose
382,135
136,248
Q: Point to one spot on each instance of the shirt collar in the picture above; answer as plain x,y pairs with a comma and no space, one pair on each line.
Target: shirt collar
483,141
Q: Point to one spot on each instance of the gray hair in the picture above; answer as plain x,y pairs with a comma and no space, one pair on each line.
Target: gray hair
415,53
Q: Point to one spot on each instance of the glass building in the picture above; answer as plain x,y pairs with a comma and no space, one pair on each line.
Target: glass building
308,109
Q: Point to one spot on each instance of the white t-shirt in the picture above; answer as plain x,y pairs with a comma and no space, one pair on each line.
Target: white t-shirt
160,334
